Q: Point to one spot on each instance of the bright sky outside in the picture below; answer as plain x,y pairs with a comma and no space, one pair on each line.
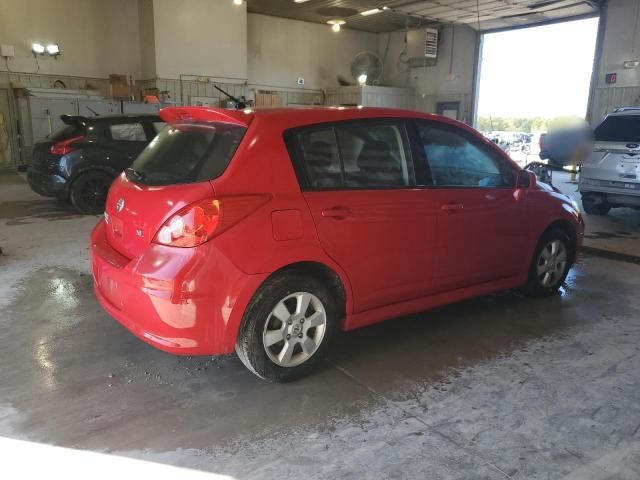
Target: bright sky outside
538,71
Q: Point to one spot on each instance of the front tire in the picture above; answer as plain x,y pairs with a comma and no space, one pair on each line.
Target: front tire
595,206
550,265
89,192
287,328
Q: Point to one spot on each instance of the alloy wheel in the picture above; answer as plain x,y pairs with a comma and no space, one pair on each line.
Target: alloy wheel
295,329
552,263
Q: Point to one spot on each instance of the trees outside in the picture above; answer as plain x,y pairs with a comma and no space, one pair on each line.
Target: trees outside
526,125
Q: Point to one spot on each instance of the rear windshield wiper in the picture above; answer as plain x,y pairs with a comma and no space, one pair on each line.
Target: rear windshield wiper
136,174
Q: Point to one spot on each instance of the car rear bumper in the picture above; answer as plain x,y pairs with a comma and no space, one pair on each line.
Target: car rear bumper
185,301
47,185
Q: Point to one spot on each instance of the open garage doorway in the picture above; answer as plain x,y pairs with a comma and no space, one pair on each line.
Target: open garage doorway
533,79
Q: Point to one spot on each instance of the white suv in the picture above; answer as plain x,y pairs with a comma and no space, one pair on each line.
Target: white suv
610,177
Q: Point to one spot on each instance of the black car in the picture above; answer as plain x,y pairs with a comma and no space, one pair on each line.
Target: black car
80,161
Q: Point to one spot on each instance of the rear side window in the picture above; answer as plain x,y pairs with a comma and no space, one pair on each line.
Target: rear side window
351,154
624,128
187,153
456,159
128,132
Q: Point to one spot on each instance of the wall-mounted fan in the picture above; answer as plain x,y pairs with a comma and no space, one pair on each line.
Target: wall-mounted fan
366,68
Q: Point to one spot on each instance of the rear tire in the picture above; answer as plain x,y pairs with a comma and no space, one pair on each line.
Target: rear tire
89,192
550,264
593,207
287,328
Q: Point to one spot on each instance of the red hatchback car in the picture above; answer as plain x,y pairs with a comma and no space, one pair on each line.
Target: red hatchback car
266,231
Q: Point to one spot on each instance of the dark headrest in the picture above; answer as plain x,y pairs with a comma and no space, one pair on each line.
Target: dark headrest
320,153
376,155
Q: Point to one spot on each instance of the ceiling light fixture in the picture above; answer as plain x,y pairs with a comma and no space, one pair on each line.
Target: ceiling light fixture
300,1
336,24
373,11
237,2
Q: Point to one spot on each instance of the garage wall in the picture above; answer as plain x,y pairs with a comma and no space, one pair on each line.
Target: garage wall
282,50
203,37
96,37
449,80
147,39
622,19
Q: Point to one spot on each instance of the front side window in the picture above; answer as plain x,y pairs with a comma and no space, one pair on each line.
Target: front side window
456,159
128,132
351,155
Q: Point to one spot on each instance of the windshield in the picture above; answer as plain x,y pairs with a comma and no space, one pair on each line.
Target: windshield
624,128
187,153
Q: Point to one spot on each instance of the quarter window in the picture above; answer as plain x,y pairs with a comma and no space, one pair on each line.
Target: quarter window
456,159
128,132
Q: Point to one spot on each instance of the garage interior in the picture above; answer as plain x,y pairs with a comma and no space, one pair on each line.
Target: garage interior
495,387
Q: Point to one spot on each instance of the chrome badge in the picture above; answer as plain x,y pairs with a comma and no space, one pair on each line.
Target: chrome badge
120,205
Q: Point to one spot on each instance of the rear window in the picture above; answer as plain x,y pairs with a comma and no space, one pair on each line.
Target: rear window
68,131
187,153
619,129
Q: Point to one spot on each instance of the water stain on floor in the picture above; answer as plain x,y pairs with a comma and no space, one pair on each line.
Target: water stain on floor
31,211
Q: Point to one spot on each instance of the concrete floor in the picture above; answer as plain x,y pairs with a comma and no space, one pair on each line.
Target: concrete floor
497,387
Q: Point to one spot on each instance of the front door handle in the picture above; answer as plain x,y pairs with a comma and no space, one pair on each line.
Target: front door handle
451,206
336,212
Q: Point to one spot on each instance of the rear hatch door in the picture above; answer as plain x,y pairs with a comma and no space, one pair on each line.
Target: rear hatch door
43,160
172,172
616,153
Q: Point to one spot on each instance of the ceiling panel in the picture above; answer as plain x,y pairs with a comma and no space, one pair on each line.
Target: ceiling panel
415,13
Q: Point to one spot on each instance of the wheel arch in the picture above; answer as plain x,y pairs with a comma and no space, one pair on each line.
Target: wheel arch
90,168
322,272
567,227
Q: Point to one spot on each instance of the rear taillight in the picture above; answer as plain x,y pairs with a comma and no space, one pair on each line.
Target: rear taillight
64,147
203,220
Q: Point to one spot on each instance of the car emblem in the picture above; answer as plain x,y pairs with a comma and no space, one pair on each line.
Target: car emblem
632,145
119,205
139,233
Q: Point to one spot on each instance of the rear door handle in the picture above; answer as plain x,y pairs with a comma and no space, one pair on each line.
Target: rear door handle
336,212
451,206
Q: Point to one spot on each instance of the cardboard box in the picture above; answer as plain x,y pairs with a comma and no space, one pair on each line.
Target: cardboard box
268,99
121,91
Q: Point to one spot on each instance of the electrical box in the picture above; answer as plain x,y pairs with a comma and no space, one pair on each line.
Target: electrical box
422,47
7,51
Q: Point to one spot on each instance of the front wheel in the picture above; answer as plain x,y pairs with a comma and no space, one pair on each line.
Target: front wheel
594,205
550,265
287,328
89,192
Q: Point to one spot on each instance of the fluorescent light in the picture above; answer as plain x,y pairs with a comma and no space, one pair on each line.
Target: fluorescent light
237,2
53,49
37,48
373,11
300,1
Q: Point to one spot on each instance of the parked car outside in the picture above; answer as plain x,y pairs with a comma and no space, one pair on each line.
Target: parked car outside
610,177
267,231
80,161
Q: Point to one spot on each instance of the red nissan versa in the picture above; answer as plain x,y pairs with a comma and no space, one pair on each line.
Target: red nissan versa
267,231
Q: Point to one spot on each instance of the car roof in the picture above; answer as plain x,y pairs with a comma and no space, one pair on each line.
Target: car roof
298,116
111,116
625,111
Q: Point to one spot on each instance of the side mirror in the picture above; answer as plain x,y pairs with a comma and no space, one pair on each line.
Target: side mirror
527,179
